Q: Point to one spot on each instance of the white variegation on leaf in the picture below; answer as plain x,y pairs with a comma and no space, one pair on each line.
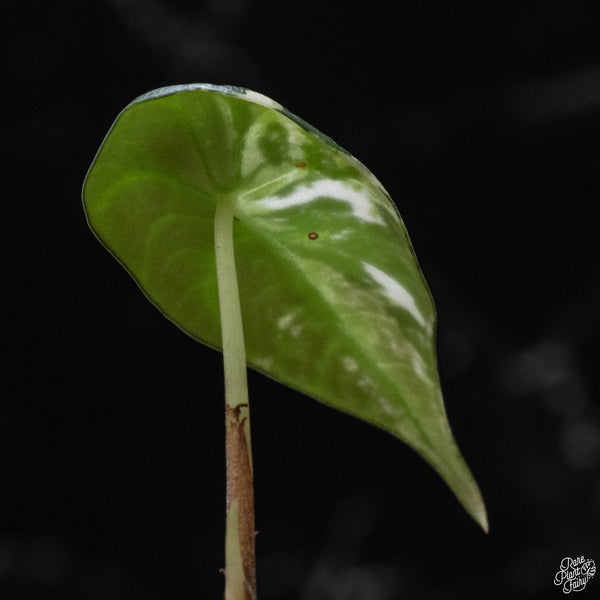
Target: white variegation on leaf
334,303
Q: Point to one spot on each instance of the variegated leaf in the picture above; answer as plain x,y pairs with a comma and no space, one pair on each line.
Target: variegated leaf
334,302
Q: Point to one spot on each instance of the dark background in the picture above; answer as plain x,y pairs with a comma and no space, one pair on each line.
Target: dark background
482,119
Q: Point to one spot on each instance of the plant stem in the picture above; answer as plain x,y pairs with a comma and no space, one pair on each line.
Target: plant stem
240,563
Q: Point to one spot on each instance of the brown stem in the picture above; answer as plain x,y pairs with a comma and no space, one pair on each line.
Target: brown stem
240,488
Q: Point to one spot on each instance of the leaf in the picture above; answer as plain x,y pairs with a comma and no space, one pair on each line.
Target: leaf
333,300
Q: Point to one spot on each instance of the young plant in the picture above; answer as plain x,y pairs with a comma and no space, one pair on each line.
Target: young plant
227,209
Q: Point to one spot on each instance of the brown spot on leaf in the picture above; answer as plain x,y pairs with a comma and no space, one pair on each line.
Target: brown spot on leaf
301,164
313,236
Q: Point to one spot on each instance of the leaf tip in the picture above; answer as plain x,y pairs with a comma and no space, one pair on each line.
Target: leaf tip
481,518
475,507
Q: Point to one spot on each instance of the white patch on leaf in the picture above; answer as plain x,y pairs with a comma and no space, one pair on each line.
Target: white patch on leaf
387,407
359,201
349,364
396,292
261,99
264,362
419,368
285,321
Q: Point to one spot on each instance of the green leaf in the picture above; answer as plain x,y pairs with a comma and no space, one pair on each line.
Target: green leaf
333,300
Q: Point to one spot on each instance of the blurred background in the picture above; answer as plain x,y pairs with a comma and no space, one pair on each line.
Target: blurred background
482,120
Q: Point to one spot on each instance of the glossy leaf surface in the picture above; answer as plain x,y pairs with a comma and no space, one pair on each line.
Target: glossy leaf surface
333,300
